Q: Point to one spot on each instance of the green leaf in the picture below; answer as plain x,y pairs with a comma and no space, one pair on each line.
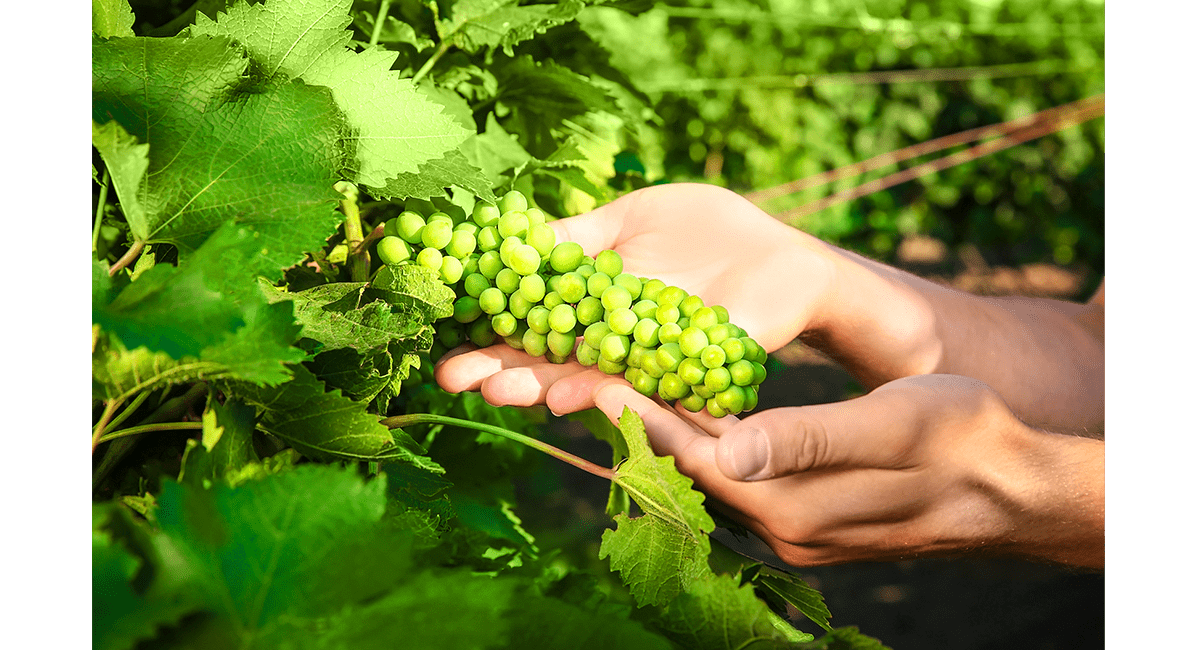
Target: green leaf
127,162
337,315
265,154
479,24
413,289
395,128
495,151
226,444
551,624
845,638
327,425
435,175
112,18
662,552
791,589
715,613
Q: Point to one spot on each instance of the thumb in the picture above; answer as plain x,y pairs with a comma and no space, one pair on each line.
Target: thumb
597,230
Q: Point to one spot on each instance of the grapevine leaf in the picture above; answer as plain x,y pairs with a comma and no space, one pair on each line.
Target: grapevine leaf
112,18
415,289
393,30
574,628
715,613
791,589
395,128
222,147
225,446
662,552
127,162
541,94
845,638
337,316
495,151
328,425
435,175
479,24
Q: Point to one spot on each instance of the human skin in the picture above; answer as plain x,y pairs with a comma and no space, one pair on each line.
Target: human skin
978,435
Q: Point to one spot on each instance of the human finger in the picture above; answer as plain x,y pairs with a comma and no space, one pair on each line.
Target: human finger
526,385
594,231
465,369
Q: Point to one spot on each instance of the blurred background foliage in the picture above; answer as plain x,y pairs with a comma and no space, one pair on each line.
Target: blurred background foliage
749,94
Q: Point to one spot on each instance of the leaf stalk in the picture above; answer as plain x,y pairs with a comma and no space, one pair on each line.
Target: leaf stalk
144,428
443,47
382,16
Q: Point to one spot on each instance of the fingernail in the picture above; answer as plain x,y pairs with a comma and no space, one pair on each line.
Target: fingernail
749,453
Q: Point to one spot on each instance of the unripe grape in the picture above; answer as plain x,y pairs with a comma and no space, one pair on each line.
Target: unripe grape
440,216
622,321
595,333
572,287
466,309
506,248
518,305
651,288
666,313
703,391
462,244
451,270
716,379
552,357
671,387
714,408
732,399
513,200
636,355
692,340
586,270
490,265
597,283
712,356
614,347
504,324
560,343
468,227
534,343
552,300
538,319
754,351
451,337
646,332
704,318
535,215
566,256
693,402
616,297
392,250
488,239
525,260
481,333
586,355
650,365
589,311
513,224
671,295
690,305
430,258
741,372
609,263
722,315
532,288
610,367
645,384
760,372
669,333
437,233
493,301
470,264
409,226
515,340
485,214
751,397
475,283
562,318
389,228
645,308
718,333
691,371
508,281
541,237
630,283
734,350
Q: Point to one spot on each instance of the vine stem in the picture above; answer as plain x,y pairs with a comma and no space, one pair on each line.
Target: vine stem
443,47
128,258
398,421
359,258
161,426
110,407
383,10
100,209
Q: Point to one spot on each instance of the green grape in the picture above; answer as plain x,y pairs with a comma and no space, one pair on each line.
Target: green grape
451,270
636,355
671,295
571,286
566,256
513,224
560,343
718,333
650,364
703,391
525,260
716,379
734,350
671,387
552,357
669,333
669,356
514,341
595,333
562,318
645,384
506,248
754,351
692,340
586,355
541,237
409,226
518,305
586,270
490,265
732,399
389,228
651,288
504,324
691,371
467,309
470,264
614,347
535,215
666,313
616,297
493,301
630,283
485,214
437,233
693,402
513,200
760,373
469,227
597,283
508,281
451,337
534,343
741,372
430,258
538,319
722,314
440,216
645,308
475,283
392,250
622,321
488,239
609,263
532,288
714,408
552,300
712,356
705,318
610,367
646,332
480,333
751,397
690,305
462,244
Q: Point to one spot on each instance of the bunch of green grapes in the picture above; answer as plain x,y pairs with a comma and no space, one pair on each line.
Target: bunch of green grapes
515,282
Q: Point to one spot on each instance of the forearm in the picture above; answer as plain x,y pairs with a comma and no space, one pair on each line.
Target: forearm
1045,357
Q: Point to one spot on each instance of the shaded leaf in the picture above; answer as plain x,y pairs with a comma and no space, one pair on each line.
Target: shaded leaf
479,24
715,613
112,18
225,447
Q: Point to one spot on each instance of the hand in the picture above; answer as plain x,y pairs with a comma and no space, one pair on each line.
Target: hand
922,466
709,241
